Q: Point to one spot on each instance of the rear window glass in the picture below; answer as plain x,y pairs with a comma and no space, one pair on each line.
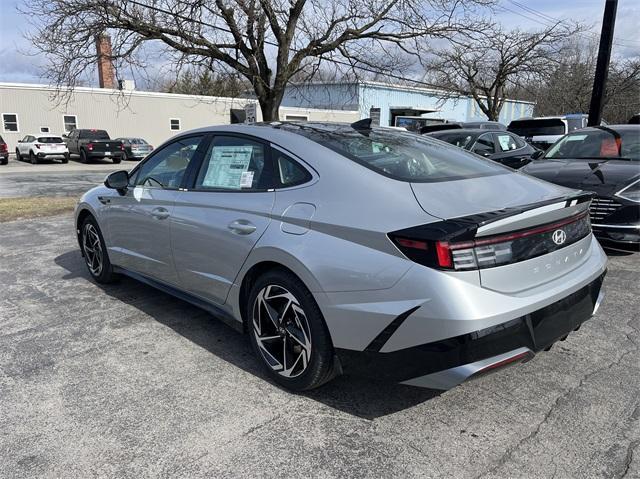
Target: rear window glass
94,135
599,143
50,139
137,141
402,156
550,126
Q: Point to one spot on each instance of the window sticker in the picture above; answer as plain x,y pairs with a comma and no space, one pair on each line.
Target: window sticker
576,137
246,179
228,167
505,141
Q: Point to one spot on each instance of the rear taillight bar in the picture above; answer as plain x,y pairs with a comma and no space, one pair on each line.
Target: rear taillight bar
495,250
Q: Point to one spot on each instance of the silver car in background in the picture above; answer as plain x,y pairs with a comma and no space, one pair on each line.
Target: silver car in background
348,249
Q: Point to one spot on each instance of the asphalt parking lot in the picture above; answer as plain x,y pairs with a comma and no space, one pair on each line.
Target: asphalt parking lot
20,178
125,381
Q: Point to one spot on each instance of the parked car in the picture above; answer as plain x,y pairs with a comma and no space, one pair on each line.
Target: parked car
605,160
485,125
350,248
135,148
635,119
42,147
501,146
544,131
4,152
90,144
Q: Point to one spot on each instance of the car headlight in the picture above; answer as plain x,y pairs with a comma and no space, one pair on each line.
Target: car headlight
631,192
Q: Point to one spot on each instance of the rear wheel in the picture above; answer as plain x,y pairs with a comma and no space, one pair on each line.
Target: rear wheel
116,160
95,252
66,158
32,158
288,332
4,161
83,156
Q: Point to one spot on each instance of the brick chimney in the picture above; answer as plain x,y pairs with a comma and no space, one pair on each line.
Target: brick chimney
105,66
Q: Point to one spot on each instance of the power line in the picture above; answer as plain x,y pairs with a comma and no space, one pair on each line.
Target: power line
548,21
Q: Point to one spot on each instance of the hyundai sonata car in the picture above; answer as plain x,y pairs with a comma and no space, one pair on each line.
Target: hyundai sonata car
606,161
349,249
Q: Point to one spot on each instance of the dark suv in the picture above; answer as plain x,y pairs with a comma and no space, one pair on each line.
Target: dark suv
4,152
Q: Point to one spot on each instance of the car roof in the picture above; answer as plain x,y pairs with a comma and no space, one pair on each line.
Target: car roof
470,131
621,127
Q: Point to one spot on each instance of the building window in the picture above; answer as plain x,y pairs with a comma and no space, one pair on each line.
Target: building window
44,129
10,122
70,122
174,124
296,118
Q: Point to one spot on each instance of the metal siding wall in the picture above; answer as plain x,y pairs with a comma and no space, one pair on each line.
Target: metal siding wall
145,116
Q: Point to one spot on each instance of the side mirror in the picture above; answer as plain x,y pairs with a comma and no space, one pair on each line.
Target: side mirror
118,180
537,154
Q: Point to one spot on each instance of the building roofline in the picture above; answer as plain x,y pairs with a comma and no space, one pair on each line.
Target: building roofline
398,86
108,91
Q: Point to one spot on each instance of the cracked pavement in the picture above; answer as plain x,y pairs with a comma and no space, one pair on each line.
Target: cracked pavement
126,381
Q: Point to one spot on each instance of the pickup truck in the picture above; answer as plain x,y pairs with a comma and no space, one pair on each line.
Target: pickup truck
92,144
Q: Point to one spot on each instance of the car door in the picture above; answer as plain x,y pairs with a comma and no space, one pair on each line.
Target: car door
484,145
138,221
217,222
24,145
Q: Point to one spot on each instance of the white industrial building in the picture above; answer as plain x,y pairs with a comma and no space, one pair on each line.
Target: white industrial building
32,109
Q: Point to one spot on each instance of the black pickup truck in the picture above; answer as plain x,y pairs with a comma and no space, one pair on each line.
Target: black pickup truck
90,143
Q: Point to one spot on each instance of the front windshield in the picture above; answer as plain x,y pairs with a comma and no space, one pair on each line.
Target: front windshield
598,143
402,156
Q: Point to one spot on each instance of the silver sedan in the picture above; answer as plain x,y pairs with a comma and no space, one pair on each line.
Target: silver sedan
351,249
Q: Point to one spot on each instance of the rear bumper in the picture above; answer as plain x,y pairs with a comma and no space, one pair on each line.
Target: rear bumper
444,364
59,155
101,154
622,236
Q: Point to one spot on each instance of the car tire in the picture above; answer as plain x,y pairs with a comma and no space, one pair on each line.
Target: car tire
116,161
125,157
32,158
18,155
4,161
83,156
95,253
66,158
295,349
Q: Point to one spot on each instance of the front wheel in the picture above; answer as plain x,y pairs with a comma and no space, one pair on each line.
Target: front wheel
18,155
288,332
95,252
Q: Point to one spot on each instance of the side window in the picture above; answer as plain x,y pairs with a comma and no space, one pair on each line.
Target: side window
10,122
233,163
288,171
506,142
70,122
484,145
167,167
25,139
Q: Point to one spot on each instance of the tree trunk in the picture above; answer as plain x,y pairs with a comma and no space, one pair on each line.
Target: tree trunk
270,104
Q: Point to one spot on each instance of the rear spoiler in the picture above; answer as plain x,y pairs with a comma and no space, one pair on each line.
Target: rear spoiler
507,219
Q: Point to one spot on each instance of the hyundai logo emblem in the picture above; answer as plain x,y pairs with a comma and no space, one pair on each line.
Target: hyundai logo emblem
559,237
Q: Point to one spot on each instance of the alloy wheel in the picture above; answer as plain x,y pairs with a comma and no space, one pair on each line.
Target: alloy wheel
92,249
282,331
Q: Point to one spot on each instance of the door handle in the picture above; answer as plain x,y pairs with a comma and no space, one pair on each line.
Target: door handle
160,213
242,227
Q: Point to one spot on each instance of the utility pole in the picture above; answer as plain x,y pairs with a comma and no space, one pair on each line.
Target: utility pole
602,67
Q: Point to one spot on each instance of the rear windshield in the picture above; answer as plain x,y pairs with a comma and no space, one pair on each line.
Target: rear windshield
49,139
550,126
599,143
137,141
94,135
402,156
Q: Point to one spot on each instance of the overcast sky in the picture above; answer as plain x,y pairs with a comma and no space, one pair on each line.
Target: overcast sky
16,65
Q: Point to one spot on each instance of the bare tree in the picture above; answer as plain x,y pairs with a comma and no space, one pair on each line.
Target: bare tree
485,64
566,87
265,41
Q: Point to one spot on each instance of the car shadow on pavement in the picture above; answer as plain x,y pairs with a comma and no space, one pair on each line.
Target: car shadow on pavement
361,397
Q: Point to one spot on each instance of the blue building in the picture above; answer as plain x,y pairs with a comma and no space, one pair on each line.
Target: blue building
391,103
